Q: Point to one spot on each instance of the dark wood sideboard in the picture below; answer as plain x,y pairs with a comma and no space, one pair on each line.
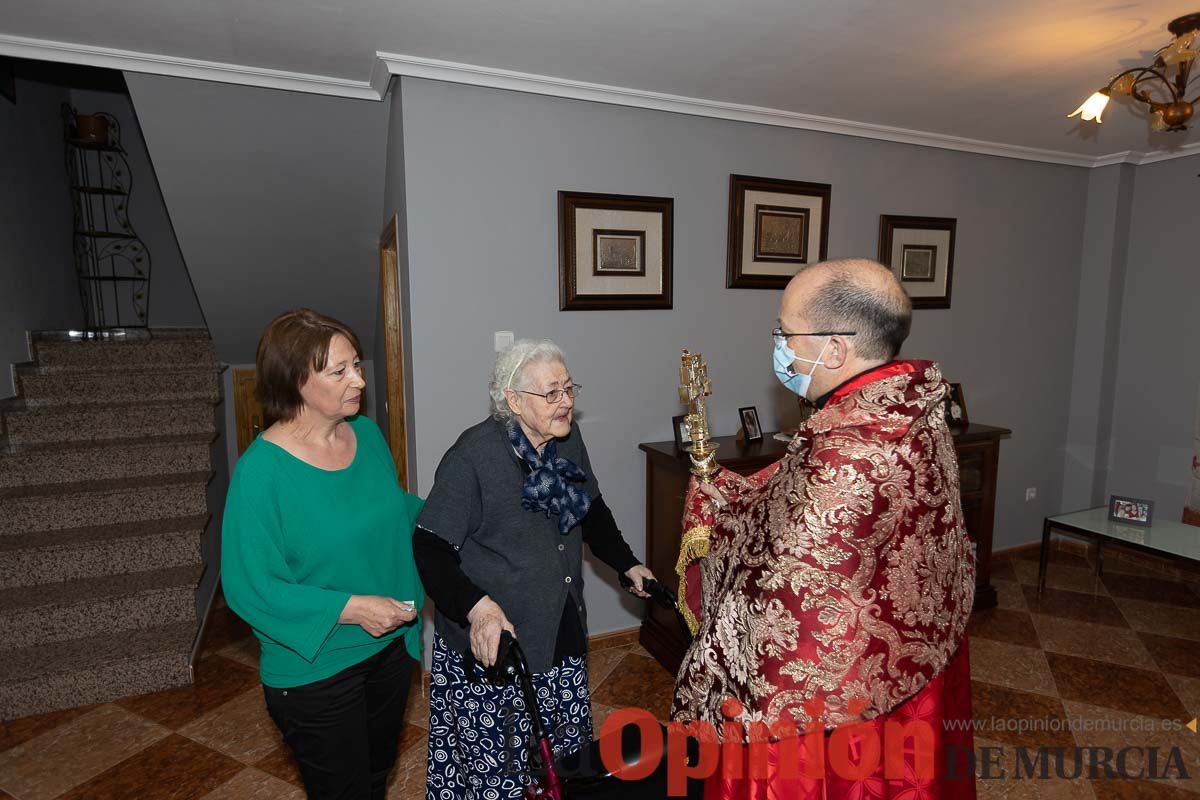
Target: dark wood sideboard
667,471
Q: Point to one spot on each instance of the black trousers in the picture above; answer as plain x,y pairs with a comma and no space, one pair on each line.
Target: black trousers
344,730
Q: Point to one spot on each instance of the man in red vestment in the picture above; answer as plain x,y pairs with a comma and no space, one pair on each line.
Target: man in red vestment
831,591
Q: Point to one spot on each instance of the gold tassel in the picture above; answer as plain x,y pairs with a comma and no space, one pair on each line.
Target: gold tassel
692,547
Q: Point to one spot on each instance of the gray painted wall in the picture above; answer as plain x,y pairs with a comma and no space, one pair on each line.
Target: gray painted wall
482,168
38,289
1103,265
275,197
173,302
1158,369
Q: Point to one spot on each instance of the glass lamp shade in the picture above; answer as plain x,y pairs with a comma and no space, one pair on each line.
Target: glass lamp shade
1093,107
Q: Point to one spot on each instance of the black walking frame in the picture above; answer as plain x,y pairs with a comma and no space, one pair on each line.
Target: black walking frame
581,774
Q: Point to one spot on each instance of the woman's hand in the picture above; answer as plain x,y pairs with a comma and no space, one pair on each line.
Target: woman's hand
377,615
487,621
639,574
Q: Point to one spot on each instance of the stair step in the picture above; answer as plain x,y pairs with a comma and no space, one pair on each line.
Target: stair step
56,612
40,387
71,462
163,348
26,426
41,508
55,556
96,669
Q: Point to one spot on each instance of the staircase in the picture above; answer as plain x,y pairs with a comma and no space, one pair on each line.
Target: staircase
104,464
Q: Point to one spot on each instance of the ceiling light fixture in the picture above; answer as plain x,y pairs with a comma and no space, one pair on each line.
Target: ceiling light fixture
1162,86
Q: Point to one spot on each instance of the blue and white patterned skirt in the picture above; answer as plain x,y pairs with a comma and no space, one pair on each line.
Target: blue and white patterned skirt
479,733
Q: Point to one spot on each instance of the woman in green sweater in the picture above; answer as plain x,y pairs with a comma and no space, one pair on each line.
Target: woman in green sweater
317,558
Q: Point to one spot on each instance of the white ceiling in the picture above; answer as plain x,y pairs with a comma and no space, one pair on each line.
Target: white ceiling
1004,72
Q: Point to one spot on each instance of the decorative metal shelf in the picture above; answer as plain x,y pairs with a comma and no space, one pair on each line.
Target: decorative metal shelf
111,260
83,144
106,234
100,190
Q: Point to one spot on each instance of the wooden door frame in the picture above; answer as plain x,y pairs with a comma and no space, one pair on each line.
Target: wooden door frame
394,351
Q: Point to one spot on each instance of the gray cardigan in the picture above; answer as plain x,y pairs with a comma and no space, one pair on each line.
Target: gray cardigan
517,556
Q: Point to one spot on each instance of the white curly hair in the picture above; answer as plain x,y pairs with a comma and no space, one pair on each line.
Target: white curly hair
511,366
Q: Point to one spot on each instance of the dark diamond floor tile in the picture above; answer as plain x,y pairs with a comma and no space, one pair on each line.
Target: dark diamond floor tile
1174,656
217,679
280,763
1074,605
1155,590
1099,683
1002,569
1023,719
1056,557
1003,625
171,768
1139,790
638,682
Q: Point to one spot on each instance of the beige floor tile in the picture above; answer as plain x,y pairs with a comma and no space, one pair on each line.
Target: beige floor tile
1061,576
1011,665
417,710
1182,623
600,713
641,651
240,728
1101,642
1188,690
1117,729
244,650
601,663
408,776
50,764
1009,595
250,784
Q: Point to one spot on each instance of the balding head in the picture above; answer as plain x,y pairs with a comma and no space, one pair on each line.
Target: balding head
853,294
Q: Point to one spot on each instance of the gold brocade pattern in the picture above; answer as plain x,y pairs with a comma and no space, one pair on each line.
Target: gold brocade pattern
847,576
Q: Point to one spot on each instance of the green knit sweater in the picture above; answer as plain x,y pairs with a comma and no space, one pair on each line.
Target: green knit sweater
297,541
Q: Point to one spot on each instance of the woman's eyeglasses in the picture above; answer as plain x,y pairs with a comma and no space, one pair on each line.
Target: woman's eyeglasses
555,396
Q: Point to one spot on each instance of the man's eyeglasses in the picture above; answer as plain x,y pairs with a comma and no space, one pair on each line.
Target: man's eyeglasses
782,334
555,396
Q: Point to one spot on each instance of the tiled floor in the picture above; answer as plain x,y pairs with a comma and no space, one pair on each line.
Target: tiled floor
1114,657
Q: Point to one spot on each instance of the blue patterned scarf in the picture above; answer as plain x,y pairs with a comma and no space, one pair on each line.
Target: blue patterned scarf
546,488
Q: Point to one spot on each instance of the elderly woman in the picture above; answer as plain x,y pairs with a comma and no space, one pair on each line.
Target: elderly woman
499,545
317,558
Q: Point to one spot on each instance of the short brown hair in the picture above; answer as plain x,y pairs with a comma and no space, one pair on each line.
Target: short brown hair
293,346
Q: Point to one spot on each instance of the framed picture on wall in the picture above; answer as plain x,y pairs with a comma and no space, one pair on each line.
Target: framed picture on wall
920,250
775,228
614,251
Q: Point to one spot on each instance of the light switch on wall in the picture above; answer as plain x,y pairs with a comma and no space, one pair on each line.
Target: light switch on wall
503,340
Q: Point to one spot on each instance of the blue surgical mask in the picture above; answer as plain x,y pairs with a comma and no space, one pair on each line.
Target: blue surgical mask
784,357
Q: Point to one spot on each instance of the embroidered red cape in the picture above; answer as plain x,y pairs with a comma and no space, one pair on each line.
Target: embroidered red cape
835,586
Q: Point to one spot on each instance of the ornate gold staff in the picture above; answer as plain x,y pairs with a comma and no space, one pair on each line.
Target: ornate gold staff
694,386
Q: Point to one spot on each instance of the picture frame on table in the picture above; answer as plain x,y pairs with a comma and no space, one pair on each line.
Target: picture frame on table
683,436
614,251
920,251
776,227
955,407
751,427
1130,511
